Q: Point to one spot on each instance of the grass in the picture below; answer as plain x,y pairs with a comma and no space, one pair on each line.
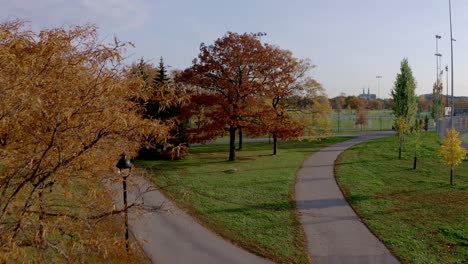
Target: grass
249,201
416,213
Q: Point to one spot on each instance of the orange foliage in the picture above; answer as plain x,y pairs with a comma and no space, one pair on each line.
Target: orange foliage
65,115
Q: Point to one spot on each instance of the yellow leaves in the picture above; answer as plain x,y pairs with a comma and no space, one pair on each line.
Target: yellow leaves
401,126
451,151
66,113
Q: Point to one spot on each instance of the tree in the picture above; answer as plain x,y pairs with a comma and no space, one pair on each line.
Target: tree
402,129
157,107
426,123
338,104
416,141
362,118
438,101
375,104
232,73
355,103
316,117
161,77
423,104
289,79
451,151
66,114
403,93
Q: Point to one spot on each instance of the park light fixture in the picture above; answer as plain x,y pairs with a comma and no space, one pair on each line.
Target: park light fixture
378,85
125,168
452,110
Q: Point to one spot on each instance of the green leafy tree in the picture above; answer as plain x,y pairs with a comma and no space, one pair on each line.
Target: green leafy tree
438,101
404,98
451,151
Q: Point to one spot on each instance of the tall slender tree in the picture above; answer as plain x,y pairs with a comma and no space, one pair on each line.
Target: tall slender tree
438,101
405,102
404,93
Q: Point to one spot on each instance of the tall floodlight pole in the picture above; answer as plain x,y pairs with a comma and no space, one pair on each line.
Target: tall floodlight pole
378,85
446,96
438,55
451,63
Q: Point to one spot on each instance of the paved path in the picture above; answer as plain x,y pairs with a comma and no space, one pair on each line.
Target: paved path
335,234
170,235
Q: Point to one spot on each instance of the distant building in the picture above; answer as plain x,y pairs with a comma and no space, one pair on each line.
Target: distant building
367,96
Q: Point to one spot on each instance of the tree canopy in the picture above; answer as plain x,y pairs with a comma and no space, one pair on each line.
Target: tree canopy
238,80
66,113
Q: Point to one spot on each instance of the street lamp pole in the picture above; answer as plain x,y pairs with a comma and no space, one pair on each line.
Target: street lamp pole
451,63
446,96
124,164
436,91
378,85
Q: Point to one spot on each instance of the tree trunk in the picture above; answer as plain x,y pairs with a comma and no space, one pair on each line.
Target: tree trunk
414,163
399,150
232,143
275,144
451,175
240,138
338,122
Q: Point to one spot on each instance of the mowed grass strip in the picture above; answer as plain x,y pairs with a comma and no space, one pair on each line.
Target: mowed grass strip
249,201
416,213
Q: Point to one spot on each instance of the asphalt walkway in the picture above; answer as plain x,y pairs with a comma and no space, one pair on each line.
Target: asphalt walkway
335,234
169,235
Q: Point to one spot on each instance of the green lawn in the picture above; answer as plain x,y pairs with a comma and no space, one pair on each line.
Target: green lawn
248,201
416,213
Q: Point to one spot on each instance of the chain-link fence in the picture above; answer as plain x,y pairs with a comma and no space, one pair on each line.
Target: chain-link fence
460,123
377,120
346,122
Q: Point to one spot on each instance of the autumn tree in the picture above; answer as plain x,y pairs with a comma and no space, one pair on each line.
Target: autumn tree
66,113
230,73
288,78
316,116
362,118
423,104
158,87
403,93
375,104
338,103
451,151
354,102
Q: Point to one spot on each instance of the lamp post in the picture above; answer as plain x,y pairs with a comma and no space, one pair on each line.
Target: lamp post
446,96
452,110
378,85
125,164
436,91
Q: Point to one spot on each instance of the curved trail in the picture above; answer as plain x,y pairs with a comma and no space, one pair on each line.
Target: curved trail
335,234
169,235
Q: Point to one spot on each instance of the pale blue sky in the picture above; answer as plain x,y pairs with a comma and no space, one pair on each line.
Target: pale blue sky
350,41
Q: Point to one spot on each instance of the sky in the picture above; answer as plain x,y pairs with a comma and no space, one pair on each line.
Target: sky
350,41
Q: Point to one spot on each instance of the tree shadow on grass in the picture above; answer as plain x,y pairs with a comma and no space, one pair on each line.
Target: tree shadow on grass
246,209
